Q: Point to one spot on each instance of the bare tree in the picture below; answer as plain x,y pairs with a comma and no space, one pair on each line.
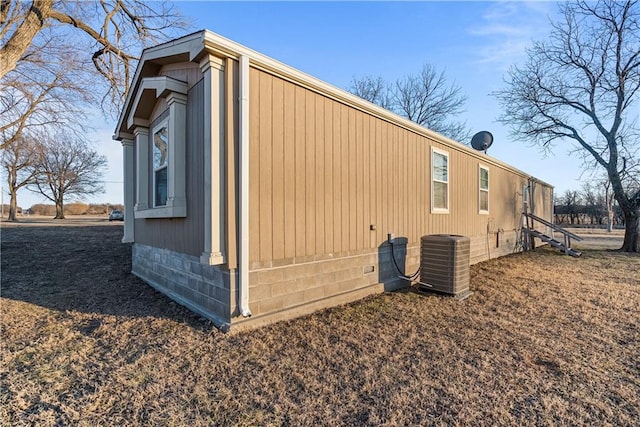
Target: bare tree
373,89
580,86
424,98
66,166
571,202
593,203
110,32
36,96
18,159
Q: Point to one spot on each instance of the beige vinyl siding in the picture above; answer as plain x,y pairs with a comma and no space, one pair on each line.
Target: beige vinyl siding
231,194
323,172
184,235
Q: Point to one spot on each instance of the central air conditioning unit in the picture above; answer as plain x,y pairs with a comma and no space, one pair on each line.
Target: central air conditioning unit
445,264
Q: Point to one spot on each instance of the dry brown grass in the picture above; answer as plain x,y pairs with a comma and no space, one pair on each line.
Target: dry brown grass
545,340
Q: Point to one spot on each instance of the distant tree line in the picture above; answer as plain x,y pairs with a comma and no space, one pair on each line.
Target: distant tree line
69,209
593,205
55,165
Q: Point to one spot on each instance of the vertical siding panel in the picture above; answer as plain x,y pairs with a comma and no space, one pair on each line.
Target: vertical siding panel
231,144
300,171
372,181
406,190
380,224
289,171
391,182
366,151
310,155
320,174
460,189
398,191
337,178
358,161
266,151
404,167
455,211
411,188
465,196
403,206
473,177
352,179
401,173
395,187
254,162
386,175
328,176
344,174
458,176
417,188
422,163
431,221
278,169
471,171
420,185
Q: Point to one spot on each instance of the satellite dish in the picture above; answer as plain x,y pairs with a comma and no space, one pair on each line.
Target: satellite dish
481,141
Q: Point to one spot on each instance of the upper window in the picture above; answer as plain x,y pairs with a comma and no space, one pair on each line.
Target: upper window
439,181
483,189
160,163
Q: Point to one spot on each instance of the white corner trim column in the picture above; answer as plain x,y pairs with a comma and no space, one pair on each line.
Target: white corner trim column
213,69
176,182
128,188
142,153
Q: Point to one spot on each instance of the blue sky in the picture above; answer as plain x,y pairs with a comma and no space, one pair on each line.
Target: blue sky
474,42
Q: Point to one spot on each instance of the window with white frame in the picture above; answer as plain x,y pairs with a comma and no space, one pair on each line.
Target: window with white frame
160,148
483,189
160,139
439,181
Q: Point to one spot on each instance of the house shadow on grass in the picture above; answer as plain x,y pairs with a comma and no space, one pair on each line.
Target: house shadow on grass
80,268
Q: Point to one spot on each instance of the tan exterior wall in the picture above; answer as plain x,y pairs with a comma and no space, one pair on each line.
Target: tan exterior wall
322,173
328,182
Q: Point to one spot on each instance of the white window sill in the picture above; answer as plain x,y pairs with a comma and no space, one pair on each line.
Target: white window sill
162,212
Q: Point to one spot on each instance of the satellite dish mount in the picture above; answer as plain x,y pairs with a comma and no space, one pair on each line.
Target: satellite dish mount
482,140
